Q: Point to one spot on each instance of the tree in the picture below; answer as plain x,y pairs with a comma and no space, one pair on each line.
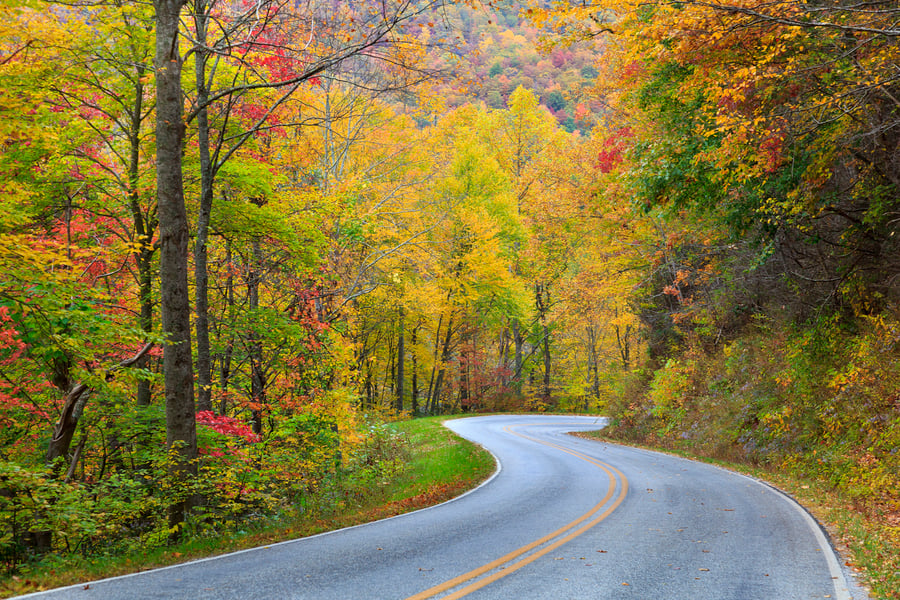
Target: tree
181,433
108,87
267,53
778,117
81,195
525,134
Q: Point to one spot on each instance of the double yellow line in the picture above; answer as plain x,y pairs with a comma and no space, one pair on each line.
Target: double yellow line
505,565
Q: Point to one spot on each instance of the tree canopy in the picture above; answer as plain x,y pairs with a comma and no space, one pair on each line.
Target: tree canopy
232,232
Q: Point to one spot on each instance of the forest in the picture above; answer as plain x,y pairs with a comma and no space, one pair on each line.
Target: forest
237,236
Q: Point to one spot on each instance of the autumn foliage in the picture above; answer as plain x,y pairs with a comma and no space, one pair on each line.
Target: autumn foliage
683,213
760,170
365,239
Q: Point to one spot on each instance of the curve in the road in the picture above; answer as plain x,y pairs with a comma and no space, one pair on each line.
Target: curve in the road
503,566
621,524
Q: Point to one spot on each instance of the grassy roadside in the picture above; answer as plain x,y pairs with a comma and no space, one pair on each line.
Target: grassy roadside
870,546
438,466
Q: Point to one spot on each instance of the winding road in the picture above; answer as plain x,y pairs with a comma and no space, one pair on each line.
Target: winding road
562,518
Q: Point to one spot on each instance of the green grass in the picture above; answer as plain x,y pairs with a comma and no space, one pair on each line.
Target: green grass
438,466
869,543
442,458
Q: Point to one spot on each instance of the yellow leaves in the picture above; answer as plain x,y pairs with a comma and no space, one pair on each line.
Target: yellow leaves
137,246
778,421
538,15
25,253
842,379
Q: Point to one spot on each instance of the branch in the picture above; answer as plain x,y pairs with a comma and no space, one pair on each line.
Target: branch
14,54
890,32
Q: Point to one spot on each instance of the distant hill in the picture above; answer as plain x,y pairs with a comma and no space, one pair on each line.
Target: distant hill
498,50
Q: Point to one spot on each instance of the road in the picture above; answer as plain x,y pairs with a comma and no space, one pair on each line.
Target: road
563,518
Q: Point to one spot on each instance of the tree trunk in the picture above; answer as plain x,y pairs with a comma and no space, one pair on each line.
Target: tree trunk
546,345
623,340
255,350
465,393
181,433
145,290
435,401
401,359
519,341
370,394
434,364
66,426
593,365
386,394
542,302
143,228
414,400
228,352
201,275
73,406
503,357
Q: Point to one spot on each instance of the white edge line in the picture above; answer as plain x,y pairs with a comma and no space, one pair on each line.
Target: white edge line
840,580
838,575
80,586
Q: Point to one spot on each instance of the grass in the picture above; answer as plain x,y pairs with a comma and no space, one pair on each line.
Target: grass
869,543
441,457
439,466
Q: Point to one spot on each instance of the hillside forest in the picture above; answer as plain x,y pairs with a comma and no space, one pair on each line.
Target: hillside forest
238,236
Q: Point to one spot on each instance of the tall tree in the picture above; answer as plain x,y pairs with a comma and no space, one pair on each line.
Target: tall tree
181,433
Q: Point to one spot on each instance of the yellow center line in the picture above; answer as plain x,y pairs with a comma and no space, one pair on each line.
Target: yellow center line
615,476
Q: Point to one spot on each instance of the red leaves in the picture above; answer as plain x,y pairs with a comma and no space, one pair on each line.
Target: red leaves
612,152
280,65
226,425
9,336
633,71
771,149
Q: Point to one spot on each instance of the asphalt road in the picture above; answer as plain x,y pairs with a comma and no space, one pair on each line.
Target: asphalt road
563,518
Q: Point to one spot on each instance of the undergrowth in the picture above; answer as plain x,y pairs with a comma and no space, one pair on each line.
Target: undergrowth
818,406
394,468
